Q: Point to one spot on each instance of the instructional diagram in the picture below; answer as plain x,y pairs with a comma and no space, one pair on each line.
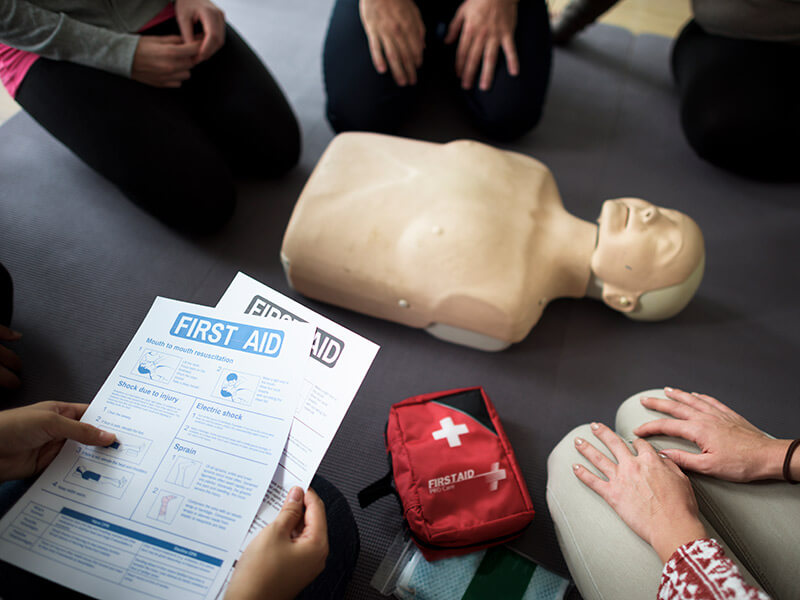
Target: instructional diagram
156,366
237,387
165,507
127,447
161,514
183,471
98,477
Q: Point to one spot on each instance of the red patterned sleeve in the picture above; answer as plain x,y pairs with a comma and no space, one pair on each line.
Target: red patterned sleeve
700,570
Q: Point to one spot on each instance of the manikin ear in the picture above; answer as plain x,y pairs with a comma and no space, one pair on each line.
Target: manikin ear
620,299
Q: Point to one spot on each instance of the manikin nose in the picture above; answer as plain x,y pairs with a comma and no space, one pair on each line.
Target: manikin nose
648,214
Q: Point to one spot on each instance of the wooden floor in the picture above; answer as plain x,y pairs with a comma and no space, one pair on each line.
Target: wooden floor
664,17
7,105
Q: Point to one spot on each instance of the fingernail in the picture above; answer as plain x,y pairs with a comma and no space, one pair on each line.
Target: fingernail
662,455
576,467
595,426
107,438
578,441
295,494
668,389
695,394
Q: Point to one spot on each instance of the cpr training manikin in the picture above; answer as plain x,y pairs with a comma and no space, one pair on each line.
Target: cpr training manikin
472,243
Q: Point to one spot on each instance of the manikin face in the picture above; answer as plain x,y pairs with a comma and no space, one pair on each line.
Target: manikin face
641,247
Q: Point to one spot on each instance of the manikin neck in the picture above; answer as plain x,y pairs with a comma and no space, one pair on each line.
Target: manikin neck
574,257
595,288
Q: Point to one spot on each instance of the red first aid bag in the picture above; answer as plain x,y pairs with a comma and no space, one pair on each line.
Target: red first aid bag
454,472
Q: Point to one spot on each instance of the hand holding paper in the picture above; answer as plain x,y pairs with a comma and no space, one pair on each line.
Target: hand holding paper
197,412
31,436
287,555
200,405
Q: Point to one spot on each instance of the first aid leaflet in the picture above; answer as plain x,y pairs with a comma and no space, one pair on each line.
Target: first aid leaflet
201,402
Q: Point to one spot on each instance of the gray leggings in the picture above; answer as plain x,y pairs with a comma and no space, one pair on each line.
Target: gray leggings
756,523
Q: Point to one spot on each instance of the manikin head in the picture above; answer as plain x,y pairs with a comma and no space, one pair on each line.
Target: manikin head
649,260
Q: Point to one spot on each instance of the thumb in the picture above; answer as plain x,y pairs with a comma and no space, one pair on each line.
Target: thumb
685,460
186,26
64,427
291,512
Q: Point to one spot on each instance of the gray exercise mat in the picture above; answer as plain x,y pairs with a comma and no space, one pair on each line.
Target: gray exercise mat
87,265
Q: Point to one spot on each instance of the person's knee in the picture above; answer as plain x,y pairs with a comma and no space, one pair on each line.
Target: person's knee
341,521
198,205
287,155
708,127
6,296
210,213
506,121
261,143
564,455
343,541
279,152
367,112
343,117
740,132
631,413
292,147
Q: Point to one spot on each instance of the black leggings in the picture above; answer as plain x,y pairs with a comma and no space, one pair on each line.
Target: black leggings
174,152
6,297
740,102
360,98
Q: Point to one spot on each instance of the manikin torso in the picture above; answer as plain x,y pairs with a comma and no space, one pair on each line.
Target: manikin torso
468,241
460,234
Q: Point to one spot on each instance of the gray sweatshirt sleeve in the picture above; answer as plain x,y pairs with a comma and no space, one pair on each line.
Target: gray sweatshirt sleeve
26,26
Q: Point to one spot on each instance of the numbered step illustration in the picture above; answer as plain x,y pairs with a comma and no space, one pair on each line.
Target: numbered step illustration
236,387
183,471
165,506
127,447
100,478
156,366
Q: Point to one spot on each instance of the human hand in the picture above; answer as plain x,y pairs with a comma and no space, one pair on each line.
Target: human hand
31,436
164,60
396,35
10,363
485,26
731,447
649,493
287,555
210,16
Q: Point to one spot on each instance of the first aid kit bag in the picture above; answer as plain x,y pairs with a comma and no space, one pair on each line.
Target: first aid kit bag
454,472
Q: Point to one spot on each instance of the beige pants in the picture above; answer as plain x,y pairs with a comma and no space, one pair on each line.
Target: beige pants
758,524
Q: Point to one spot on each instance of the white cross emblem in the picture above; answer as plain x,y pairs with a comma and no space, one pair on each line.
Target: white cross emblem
450,431
493,476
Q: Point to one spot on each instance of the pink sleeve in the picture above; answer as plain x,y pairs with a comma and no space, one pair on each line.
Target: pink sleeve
700,570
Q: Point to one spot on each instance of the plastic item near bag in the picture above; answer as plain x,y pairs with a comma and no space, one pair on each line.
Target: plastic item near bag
496,572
